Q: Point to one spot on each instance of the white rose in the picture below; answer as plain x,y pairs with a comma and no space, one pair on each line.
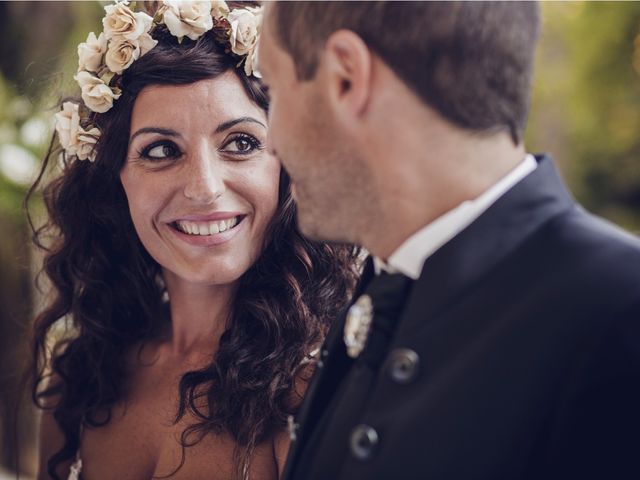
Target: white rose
186,18
250,64
122,53
86,144
67,126
90,53
96,94
245,28
219,9
146,43
121,21
73,138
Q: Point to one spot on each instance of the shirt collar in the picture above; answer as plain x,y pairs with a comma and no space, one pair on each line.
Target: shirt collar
409,257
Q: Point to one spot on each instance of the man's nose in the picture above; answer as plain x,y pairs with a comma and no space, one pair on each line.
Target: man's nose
270,144
204,177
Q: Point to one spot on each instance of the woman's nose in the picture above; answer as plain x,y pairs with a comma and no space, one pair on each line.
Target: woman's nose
204,182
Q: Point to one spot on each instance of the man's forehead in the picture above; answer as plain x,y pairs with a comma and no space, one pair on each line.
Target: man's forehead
267,20
264,56
267,9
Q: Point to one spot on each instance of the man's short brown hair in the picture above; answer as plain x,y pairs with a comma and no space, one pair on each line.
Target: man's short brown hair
470,61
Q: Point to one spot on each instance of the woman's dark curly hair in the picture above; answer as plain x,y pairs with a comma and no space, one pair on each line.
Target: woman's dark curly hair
105,285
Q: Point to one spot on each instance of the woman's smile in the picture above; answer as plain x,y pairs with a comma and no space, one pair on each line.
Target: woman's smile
208,233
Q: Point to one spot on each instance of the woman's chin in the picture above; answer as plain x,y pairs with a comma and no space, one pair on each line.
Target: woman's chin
203,275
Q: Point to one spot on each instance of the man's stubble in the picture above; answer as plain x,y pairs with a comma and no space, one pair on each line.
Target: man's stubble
336,192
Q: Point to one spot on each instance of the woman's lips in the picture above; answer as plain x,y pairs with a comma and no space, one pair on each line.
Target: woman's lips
208,217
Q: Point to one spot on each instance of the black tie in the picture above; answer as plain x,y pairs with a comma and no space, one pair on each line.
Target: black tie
388,294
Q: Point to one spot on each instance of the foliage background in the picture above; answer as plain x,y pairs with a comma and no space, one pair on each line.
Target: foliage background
585,112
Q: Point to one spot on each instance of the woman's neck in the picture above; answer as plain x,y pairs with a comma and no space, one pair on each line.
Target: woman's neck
199,315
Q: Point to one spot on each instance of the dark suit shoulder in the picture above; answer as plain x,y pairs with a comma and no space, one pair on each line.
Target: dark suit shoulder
598,257
590,231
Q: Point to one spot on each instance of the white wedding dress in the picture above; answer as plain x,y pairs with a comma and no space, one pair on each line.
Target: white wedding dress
76,469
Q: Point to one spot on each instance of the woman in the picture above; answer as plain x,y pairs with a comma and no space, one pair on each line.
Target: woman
192,300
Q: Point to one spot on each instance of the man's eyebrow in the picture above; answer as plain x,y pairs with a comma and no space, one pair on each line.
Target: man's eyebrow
162,131
231,123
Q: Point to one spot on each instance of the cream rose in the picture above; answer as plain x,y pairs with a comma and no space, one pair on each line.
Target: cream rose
67,126
146,43
219,9
86,144
122,53
251,63
96,94
121,21
245,28
186,18
90,53
73,138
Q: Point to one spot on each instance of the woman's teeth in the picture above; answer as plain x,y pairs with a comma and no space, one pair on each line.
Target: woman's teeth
206,228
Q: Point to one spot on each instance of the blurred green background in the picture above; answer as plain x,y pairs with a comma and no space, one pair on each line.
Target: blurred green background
585,112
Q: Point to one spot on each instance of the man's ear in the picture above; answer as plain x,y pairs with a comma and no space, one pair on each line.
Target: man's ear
348,67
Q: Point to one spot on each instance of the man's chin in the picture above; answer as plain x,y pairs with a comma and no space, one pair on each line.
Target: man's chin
308,228
320,231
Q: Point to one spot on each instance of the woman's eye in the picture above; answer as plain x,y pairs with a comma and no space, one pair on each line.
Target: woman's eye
160,151
242,145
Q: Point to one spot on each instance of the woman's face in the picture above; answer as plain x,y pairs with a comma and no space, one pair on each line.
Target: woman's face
201,186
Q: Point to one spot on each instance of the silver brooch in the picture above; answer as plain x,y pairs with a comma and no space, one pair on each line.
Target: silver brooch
356,328
292,427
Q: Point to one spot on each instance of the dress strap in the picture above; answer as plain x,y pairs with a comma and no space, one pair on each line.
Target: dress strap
76,467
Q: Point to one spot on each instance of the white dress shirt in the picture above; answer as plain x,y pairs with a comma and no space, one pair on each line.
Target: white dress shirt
409,257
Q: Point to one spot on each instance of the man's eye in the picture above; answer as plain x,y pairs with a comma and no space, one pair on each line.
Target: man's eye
160,151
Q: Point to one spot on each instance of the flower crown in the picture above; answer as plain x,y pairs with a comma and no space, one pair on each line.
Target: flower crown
127,37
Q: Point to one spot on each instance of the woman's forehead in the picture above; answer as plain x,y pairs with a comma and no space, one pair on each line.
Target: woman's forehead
219,98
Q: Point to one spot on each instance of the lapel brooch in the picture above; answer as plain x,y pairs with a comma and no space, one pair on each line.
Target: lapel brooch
357,325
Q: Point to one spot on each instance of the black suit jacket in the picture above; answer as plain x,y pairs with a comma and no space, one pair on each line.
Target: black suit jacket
526,330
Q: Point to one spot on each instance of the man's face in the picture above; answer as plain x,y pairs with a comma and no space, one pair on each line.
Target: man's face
327,172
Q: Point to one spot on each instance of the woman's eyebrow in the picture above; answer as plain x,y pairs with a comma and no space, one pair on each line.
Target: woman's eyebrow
162,131
220,128
227,125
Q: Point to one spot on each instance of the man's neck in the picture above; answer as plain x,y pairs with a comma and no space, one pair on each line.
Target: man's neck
422,189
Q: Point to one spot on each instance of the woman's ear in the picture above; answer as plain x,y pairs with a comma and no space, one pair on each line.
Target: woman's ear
347,71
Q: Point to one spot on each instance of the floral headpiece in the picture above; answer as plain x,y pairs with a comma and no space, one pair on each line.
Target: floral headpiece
127,37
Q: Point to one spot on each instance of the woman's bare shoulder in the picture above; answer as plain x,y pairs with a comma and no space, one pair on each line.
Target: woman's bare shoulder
281,443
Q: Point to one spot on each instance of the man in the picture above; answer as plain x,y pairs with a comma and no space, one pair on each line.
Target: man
509,346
